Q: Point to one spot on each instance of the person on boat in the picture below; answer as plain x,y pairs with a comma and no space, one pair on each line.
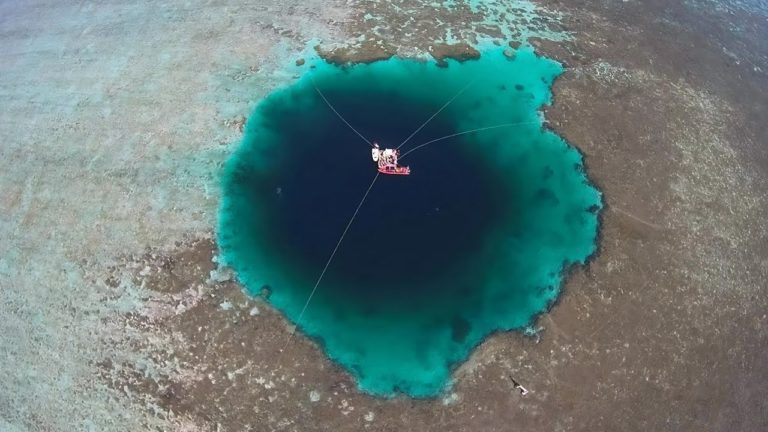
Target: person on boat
390,158
387,160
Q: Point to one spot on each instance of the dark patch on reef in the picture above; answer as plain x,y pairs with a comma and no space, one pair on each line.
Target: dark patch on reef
460,328
166,272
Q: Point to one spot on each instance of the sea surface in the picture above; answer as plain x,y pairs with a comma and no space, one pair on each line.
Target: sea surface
476,240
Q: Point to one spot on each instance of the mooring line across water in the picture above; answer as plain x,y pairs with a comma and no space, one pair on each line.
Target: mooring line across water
328,263
339,115
464,133
463,89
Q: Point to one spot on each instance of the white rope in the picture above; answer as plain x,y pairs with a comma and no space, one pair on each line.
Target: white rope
464,133
438,112
328,263
339,115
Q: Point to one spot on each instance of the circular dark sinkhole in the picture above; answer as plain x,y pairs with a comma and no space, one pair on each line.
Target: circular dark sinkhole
473,241
409,233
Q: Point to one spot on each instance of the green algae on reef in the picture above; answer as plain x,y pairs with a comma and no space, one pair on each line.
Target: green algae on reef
474,241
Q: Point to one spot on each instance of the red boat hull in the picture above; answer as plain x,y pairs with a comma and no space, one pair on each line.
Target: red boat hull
396,171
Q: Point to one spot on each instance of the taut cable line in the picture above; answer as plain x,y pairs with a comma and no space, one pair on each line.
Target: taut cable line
328,263
437,112
464,133
339,115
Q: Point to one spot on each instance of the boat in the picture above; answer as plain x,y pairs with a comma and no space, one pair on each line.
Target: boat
401,170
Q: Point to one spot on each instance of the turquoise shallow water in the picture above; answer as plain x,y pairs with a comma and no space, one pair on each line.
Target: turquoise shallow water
474,241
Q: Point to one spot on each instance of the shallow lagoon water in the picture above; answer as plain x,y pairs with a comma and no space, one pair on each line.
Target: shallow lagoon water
475,240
